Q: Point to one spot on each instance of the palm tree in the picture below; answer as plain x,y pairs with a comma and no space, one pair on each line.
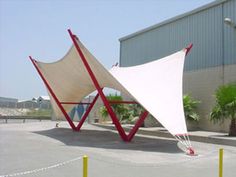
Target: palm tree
119,109
225,107
190,106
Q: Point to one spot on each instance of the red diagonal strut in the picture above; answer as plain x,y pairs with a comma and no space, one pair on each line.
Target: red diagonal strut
87,112
99,89
188,49
137,125
53,94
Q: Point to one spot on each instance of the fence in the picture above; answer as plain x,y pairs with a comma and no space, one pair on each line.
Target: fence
6,119
33,172
85,166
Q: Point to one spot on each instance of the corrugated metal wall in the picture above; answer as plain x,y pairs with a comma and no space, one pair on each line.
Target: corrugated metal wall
204,29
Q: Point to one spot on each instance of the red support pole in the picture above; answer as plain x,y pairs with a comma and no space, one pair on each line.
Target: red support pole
64,102
111,102
87,113
123,102
99,89
137,125
188,49
53,94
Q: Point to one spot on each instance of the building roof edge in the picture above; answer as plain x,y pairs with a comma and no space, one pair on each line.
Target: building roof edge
204,7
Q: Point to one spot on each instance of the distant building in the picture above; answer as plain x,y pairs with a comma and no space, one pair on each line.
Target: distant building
5,99
27,104
41,102
211,62
43,98
44,102
8,102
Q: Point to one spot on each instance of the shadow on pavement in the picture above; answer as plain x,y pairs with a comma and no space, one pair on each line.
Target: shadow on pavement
109,140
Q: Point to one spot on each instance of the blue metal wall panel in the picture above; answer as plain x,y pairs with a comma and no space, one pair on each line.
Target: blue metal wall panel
204,29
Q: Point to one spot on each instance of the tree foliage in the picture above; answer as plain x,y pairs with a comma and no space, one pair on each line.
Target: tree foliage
225,106
190,106
127,113
119,109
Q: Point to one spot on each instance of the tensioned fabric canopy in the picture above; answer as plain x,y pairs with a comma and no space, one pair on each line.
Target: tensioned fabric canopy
156,85
70,80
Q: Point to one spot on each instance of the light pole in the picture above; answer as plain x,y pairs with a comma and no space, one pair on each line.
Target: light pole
229,22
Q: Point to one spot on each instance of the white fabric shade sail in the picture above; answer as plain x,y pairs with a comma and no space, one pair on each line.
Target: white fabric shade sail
156,85
70,80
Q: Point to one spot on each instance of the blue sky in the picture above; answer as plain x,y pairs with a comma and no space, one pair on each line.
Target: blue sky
39,28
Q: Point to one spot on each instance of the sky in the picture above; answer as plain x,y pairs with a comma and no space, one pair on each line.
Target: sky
39,28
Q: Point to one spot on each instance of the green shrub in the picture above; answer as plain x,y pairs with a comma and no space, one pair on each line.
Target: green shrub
225,106
190,106
119,109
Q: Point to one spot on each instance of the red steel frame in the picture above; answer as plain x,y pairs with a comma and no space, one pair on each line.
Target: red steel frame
73,102
87,113
100,93
188,49
103,97
59,104
110,101
53,94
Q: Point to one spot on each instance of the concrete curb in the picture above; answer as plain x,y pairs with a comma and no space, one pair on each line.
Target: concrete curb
213,139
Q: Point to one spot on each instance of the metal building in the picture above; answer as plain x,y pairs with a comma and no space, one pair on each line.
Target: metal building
211,62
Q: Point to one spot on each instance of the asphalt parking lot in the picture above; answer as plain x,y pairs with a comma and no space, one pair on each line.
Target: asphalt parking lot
39,149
